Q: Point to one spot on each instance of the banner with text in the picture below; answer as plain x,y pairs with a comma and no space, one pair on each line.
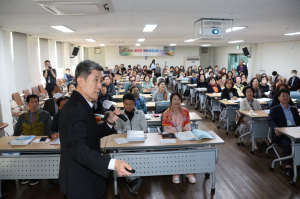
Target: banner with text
146,51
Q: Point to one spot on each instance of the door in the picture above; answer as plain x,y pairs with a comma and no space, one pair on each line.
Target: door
234,59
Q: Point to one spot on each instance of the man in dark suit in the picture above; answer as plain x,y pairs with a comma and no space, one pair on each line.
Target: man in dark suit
50,104
294,81
243,68
83,169
284,115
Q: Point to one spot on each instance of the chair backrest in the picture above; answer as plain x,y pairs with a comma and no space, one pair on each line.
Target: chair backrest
35,90
16,96
257,75
270,79
58,82
26,93
42,89
160,107
117,77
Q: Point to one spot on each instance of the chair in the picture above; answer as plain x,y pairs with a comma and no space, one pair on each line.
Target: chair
59,82
35,90
258,75
16,96
160,107
42,90
26,92
272,145
270,79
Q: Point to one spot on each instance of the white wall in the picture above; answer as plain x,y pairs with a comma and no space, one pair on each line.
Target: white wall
34,69
98,58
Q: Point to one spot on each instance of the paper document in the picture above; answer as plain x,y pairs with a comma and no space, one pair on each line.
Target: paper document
264,99
121,140
252,113
38,140
55,141
167,141
148,116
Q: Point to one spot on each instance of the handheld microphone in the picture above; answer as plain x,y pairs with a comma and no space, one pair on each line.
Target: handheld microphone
108,105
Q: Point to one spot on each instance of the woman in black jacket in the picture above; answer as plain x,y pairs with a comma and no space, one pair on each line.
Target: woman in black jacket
213,87
229,92
264,84
202,83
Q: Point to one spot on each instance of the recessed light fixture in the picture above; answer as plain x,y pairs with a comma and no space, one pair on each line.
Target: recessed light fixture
189,40
234,29
137,44
206,45
294,33
101,44
63,28
237,41
141,40
149,27
172,44
91,40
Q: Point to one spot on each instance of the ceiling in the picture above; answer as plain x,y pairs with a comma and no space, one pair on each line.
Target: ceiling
266,21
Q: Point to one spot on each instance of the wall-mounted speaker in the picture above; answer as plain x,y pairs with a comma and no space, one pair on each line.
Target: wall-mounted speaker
246,52
75,51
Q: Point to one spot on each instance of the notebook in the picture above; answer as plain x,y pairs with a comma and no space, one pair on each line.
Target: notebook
196,134
22,140
133,136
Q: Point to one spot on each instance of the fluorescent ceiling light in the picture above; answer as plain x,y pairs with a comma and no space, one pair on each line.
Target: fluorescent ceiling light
137,44
206,45
237,41
172,44
91,40
234,29
189,40
149,27
102,44
141,40
63,28
294,33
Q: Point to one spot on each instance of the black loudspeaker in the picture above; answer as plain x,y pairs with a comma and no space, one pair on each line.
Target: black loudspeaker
246,52
75,51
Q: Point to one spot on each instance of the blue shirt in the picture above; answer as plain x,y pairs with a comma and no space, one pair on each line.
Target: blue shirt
288,115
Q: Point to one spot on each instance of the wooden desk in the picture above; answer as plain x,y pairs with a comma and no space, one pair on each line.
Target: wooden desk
294,134
3,125
260,114
151,155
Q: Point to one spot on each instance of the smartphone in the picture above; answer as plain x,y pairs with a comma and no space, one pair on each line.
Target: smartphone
172,135
43,139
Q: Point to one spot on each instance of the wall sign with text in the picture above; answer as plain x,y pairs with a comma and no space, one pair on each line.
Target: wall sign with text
146,51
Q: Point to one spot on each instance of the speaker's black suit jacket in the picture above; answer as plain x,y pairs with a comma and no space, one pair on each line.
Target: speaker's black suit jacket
82,169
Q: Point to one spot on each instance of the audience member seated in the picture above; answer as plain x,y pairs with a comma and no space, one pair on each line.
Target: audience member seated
264,84
194,79
244,79
137,77
273,90
71,87
153,79
208,73
275,100
247,104
137,122
202,83
211,74
219,76
195,69
275,76
133,84
50,104
177,119
144,71
112,79
213,87
162,94
294,81
224,70
230,76
68,77
111,89
222,81
104,95
129,73
98,107
284,115
147,84
189,72
238,85
106,71
176,72
34,122
166,70
234,73
216,71
181,75
115,70
181,68
229,92
123,69
140,103
201,72
157,71
258,92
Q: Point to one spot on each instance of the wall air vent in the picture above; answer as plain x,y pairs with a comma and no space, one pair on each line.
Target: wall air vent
77,7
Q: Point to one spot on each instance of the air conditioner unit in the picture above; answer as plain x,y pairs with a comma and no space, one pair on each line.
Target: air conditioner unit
192,61
77,7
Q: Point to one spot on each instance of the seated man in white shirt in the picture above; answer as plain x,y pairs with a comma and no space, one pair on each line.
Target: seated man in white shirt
136,121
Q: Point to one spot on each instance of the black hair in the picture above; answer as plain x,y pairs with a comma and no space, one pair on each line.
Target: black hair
211,72
47,61
178,94
128,96
84,69
274,73
253,80
70,85
210,78
61,99
103,85
32,96
132,77
283,91
112,74
129,66
147,76
224,74
245,89
134,88
159,83
54,88
294,71
105,77
149,71
67,69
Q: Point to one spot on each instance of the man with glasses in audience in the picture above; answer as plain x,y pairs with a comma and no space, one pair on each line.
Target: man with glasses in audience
111,89
284,115
133,83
